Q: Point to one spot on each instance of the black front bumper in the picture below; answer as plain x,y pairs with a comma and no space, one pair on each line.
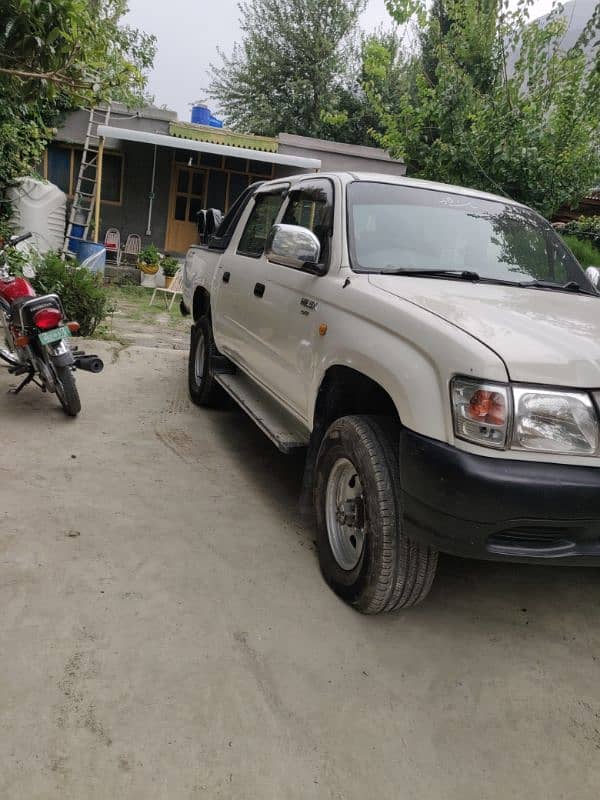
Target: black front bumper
496,508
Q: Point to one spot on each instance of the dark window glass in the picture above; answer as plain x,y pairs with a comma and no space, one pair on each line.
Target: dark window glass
312,208
237,184
260,223
236,164
181,208
59,167
261,168
217,189
210,160
183,181
183,157
195,207
112,178
390,227
198,183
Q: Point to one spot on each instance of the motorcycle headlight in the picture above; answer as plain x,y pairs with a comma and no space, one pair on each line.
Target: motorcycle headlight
523,418
481,412
554,422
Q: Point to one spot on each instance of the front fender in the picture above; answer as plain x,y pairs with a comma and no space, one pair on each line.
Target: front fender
412,355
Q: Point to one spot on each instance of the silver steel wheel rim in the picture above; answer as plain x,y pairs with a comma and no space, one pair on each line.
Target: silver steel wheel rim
345,514
199,360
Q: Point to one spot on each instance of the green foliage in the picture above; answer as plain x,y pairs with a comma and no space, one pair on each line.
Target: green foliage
584,251
380,68
169,266
82,294
287,71
467,114
585,228
56,55
150,255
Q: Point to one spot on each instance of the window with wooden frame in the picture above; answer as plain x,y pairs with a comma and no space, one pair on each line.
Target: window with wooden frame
228,176
61,167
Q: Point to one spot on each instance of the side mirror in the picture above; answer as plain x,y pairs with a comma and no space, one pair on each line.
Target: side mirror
294,246
593,276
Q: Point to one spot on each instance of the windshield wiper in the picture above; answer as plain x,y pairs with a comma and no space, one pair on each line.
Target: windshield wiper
458,274
462,274
570,286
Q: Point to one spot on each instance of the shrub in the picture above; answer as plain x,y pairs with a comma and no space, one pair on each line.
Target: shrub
150,255
170,266
82,294
586,229
584,251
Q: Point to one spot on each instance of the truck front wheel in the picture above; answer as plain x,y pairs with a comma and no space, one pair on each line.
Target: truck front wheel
204,390
364,553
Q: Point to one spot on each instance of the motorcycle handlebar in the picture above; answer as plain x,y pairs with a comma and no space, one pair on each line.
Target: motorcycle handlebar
12,241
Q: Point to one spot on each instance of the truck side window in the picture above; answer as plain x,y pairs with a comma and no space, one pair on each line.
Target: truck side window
259,224
312,207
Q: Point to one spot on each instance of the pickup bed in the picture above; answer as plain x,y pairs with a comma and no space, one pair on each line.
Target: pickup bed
436,350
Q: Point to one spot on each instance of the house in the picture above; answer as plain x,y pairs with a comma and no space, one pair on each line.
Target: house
158,171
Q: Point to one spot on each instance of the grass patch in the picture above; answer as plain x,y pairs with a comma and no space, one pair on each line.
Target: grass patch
133,302
584,252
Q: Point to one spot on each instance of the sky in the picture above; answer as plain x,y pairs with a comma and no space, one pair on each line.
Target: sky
189,32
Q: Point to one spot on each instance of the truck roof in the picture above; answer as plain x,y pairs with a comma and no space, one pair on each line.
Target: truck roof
398,180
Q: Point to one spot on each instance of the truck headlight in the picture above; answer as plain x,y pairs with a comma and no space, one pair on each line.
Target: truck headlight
554,422
523,418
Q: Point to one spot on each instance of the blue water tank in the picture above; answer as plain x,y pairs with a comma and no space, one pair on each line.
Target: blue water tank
92,255
201,114
215,123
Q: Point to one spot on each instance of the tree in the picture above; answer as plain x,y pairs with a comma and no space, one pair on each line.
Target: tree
289,66
380,65
495,103
56,55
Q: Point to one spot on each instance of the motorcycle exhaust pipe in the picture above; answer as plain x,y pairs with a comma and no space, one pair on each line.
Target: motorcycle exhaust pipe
89,363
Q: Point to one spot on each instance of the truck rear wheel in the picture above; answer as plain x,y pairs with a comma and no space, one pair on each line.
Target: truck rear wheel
204,390
364,554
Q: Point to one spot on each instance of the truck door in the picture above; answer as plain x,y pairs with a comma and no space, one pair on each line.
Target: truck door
236,277
284,315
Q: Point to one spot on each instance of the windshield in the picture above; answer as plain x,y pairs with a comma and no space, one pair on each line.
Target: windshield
395,228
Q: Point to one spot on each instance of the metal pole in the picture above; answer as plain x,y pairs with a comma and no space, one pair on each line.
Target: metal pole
149,228
98,189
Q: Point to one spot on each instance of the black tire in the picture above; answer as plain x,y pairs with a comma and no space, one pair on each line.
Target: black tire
204,390
391,571
66,390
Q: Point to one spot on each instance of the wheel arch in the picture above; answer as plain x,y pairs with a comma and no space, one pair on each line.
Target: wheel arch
200,303
344,391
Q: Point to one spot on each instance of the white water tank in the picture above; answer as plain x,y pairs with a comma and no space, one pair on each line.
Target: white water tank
40,208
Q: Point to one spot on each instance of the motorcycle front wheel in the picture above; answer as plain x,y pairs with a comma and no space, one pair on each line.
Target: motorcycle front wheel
66,390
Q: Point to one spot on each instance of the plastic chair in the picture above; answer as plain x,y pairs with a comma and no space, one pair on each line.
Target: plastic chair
112,243
174,289
132,249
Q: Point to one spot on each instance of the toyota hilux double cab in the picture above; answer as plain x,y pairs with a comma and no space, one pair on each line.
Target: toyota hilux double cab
435,349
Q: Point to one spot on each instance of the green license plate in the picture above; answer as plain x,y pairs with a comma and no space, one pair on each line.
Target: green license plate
54,336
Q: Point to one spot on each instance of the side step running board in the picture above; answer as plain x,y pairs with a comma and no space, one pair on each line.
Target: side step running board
280,427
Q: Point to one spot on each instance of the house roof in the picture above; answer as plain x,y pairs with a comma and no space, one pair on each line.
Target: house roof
206,133
162,140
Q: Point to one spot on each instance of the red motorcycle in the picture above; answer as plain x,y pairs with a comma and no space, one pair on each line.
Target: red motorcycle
36,335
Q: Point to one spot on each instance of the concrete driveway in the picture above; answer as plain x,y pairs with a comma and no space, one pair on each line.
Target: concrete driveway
165,632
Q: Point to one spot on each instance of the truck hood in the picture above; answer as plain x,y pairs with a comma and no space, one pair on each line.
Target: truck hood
542,336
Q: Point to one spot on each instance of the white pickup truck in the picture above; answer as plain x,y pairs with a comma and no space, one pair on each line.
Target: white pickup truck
435,349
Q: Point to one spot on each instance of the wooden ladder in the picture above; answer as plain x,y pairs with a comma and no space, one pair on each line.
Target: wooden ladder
84,200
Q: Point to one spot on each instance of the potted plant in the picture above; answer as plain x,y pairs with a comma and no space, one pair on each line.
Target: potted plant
169,266
150,260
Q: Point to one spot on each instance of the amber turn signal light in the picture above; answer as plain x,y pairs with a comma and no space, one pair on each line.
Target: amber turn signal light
73,327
